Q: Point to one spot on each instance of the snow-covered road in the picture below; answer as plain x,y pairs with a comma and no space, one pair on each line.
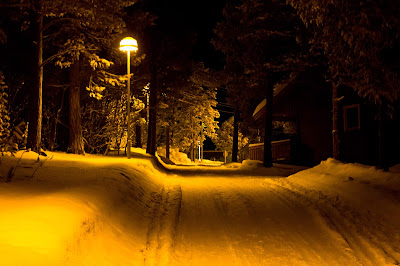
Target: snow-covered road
93,210
236,221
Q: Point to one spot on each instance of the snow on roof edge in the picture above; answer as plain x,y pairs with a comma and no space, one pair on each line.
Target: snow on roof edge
260,106
277,89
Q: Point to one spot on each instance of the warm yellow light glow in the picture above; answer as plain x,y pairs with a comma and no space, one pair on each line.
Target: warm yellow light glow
38,234
128,44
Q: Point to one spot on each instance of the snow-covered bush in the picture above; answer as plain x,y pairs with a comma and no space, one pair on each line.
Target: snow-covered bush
251,164
174,155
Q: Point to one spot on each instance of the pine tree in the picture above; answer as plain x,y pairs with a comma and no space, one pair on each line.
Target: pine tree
169,52
94,32
5,134
361,42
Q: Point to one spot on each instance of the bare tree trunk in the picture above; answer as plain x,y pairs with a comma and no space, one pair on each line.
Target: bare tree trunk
167,142
172,129
117,136
335,128
192,153
75,125
382,160
35,119
53,136
138,135
152,130
235,135
268,125
138,129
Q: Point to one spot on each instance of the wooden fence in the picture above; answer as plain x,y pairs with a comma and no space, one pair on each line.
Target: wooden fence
281,151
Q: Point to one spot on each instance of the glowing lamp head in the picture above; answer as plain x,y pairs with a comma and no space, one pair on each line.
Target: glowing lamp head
128,44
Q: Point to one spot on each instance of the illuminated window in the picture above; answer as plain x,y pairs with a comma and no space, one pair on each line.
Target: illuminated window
351,115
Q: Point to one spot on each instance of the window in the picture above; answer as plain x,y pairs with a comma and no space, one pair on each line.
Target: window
351,115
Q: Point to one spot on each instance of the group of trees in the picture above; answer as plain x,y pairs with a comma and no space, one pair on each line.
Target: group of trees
77,36
355,43
79,74
79,78
360,41
262,46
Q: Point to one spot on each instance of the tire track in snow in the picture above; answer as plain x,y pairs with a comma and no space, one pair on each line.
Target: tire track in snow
204,234
290,224
330,221
222,203
242,213
161,231
245,223
316,247
368,246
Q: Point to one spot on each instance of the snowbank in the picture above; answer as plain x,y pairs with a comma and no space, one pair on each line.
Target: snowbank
359,201
332,172
75,209
360,186
364,186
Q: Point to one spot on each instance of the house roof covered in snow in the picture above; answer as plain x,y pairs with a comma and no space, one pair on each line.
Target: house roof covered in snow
278,88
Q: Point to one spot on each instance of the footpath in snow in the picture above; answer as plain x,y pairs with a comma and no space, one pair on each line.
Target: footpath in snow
96,210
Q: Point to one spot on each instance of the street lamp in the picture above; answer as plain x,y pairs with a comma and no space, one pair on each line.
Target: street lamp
128,44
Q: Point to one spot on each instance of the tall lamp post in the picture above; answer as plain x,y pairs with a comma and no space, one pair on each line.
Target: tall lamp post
128,44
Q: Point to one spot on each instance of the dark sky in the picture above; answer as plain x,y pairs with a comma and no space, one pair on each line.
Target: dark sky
199,17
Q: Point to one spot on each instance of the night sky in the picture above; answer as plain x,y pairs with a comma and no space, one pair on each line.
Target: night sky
199,17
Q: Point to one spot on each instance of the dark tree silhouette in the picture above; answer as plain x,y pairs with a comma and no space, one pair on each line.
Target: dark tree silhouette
361,41
259,41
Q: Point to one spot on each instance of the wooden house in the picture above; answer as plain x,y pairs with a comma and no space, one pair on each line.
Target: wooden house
304,105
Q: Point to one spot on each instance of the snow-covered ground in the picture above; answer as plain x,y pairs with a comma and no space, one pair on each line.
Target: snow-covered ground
96,210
